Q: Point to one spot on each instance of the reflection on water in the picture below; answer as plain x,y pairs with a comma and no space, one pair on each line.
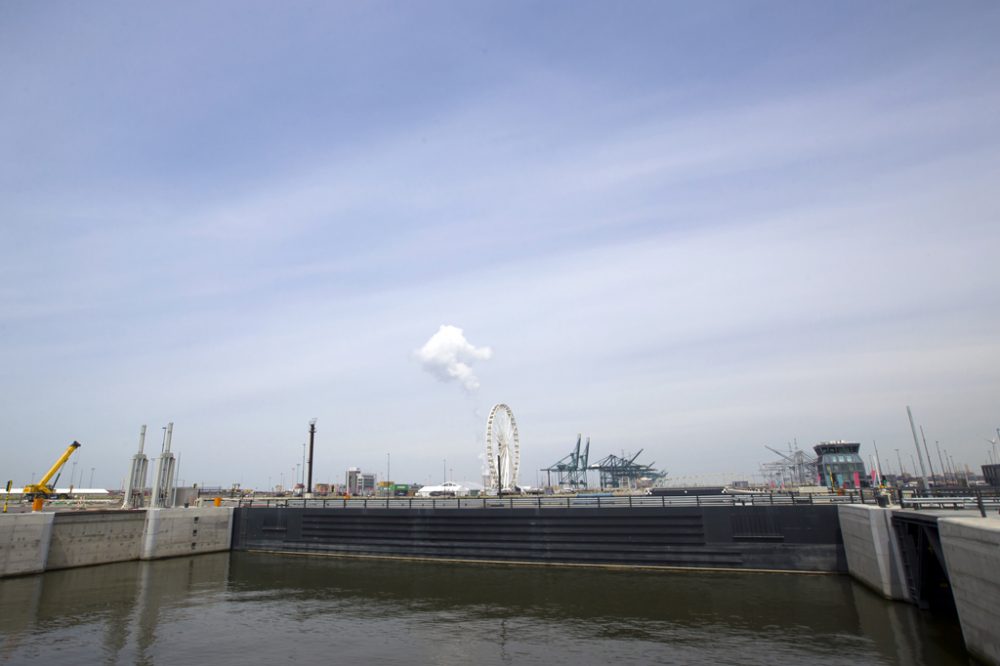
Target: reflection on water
110,613
244,608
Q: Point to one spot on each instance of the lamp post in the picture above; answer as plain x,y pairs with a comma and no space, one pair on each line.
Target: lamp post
312,441
944,468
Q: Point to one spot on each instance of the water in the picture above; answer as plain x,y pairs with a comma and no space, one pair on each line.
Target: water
245,608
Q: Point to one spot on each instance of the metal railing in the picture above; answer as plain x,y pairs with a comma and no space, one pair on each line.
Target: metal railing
563,501
979,499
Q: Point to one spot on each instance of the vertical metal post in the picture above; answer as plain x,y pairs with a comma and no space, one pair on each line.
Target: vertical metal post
927,451
878,461
312,441
923,471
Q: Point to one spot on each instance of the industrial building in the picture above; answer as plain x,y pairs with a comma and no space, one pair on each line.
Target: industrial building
358,482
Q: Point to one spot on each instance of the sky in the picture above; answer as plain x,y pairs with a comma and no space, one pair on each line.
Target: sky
691,229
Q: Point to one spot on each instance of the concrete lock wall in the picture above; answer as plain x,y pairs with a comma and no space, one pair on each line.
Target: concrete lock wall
36,542
95,537
174,532
871,549
24,543
972,552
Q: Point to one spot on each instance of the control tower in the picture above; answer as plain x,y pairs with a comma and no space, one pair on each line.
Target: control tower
839,465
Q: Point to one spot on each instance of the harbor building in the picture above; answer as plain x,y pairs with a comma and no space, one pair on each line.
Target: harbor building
838,465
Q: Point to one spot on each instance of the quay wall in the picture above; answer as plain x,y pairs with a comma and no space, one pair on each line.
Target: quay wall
872,551
43,541
24,543
788,538
972,551
83,538
175,532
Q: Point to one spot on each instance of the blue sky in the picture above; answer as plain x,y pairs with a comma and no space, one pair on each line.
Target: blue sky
693,229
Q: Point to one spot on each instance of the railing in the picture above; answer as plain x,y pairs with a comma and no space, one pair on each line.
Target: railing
979,500
564,501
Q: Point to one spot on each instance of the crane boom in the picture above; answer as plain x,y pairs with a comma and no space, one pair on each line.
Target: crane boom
788,458
42,487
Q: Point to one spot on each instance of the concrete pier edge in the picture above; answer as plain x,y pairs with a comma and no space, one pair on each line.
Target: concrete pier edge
32,543
25,539
872,550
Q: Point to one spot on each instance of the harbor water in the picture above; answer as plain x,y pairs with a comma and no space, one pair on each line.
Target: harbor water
248,608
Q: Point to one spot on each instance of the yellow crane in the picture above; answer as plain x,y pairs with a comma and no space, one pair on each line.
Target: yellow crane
42,488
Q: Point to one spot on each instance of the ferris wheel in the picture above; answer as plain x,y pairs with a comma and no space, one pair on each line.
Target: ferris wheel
503,449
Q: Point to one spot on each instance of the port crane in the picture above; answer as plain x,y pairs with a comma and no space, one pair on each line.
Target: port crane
42,488
795,468
572,470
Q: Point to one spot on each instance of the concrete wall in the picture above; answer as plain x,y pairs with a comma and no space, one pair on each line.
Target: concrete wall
24,542
175,532
972,551
82,538
872,551
36,542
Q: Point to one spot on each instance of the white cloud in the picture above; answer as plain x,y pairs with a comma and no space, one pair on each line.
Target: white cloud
448,355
